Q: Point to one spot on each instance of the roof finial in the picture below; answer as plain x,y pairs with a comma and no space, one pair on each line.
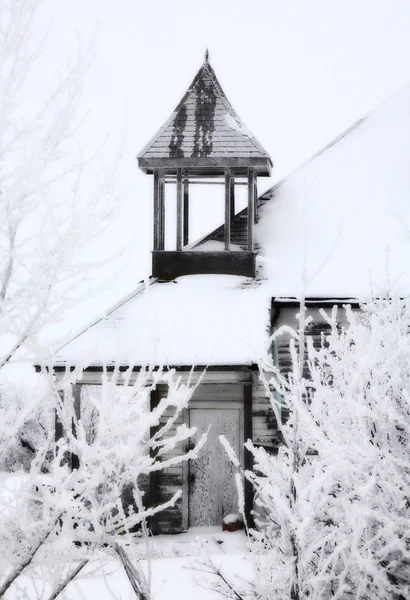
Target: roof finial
206,55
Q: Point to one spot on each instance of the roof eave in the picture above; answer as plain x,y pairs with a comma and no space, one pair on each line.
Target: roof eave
263,165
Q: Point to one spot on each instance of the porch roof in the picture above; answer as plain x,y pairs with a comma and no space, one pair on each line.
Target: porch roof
194,320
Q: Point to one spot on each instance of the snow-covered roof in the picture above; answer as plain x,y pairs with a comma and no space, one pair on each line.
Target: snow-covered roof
339,226
343,218
197,319
204,131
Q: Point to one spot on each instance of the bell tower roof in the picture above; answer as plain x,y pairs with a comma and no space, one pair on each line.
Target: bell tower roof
205,133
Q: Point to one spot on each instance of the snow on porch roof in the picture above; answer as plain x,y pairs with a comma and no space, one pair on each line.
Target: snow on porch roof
343,218
194,320
204,131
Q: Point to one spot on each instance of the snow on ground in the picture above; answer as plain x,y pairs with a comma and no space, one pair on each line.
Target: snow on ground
177,574
177,561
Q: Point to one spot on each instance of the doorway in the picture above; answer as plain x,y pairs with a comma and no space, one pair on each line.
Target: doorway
212,486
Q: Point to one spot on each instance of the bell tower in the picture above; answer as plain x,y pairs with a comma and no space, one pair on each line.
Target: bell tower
203,141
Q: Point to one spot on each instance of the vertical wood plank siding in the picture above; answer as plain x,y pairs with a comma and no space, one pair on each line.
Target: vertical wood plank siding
265,430
264,426
169,481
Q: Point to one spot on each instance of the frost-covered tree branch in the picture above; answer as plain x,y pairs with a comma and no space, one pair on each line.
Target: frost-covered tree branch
115,445
332,506
105,500
53,199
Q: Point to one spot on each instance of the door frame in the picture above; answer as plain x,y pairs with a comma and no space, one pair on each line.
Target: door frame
197,403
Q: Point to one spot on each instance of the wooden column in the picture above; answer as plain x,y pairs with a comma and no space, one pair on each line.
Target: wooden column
248,458
156,215
69,457
179,209
58,426
186,207
255,198
161,209
232,194
227,209
251,207
185,474
76,389
153,476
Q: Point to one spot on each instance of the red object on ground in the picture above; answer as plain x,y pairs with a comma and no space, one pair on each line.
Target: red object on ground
235,526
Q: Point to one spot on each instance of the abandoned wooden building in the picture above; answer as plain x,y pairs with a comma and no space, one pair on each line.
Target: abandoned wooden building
212,303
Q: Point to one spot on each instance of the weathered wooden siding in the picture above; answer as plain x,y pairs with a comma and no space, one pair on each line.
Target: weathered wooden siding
318,326
264,425
170,480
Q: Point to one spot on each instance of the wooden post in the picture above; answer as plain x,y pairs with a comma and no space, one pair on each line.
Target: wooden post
255,198
153,476
232,194
227,210
179,209
185,475
75,460
69,457
156,211
161,208
58,426
186,207
251,207
248,458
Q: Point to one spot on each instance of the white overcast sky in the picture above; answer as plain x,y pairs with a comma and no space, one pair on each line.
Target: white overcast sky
297,73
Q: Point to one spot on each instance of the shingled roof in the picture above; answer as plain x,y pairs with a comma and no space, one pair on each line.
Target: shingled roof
204,131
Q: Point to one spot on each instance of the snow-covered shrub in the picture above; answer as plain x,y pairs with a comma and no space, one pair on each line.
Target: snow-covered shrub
93,494
128,442
335,499
26,415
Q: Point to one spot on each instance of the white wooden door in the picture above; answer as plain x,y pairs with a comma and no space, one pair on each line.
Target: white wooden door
212,489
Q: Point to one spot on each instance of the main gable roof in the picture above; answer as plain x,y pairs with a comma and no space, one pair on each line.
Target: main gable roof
338,226
204,130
